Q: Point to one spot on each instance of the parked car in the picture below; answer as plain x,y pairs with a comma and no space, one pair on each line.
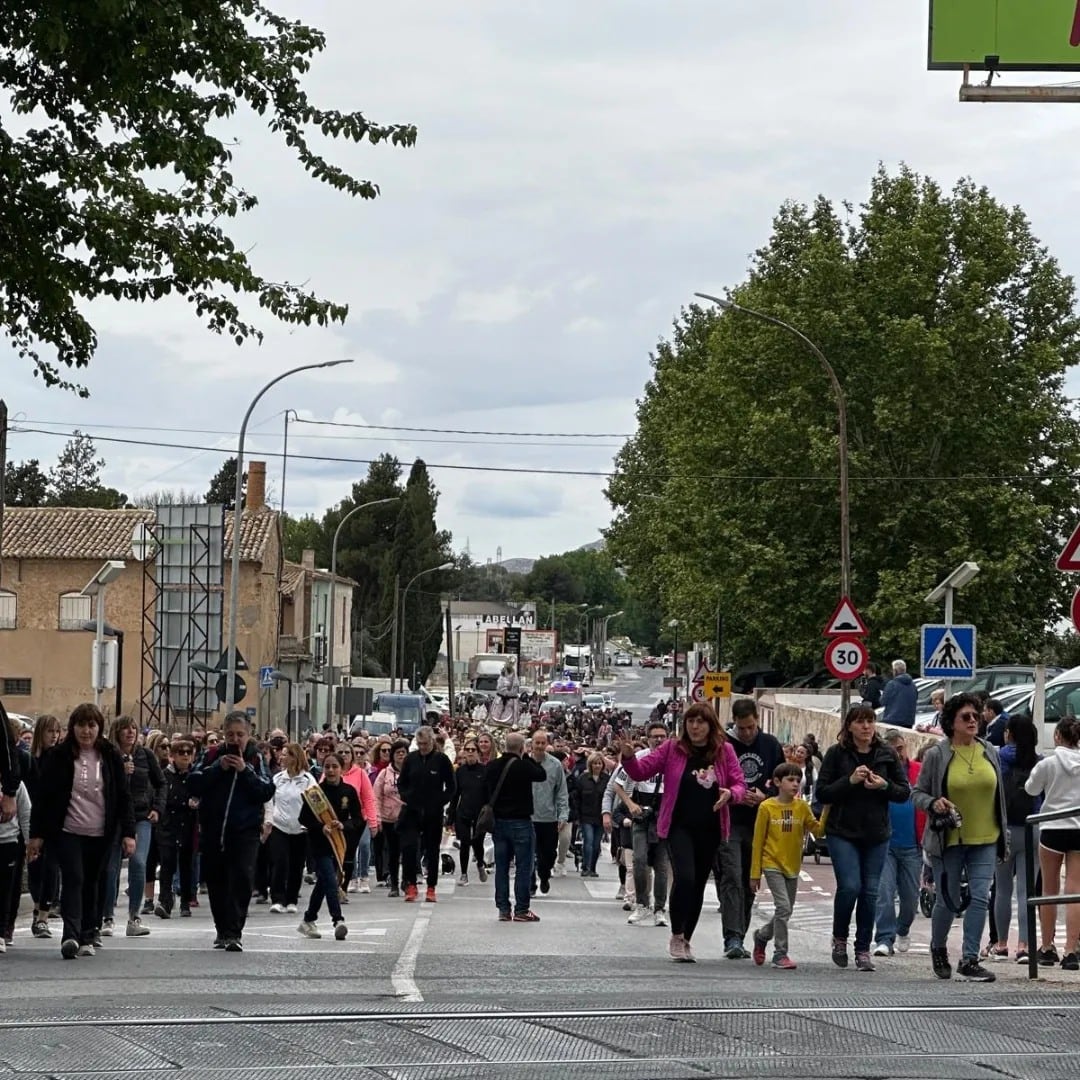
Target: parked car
648,661
406,712
1061,698
624,659
594,701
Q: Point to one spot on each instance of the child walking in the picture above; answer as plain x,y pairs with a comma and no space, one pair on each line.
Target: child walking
779,833
348,820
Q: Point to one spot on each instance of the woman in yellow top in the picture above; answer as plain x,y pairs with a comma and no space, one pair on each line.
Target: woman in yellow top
960,790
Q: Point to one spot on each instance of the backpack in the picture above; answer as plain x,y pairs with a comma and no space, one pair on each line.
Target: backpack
1018,803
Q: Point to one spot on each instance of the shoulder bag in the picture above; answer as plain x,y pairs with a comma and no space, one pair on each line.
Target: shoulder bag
485,820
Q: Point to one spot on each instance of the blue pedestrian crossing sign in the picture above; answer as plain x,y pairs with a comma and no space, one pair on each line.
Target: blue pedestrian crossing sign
266,677
948,652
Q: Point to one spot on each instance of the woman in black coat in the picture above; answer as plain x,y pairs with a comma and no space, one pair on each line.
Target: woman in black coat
83,803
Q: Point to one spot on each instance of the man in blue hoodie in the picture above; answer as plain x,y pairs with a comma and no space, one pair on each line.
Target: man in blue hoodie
900,697
232,786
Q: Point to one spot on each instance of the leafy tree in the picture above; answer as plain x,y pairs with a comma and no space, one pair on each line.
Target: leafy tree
223,486
75,479
950,328
25,484
491,582
124,190
418,545
299,534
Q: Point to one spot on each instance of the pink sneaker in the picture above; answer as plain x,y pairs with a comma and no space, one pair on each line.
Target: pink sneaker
784,963
677,948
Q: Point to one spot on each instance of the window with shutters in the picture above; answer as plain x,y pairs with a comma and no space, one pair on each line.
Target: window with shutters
16,687
8,607
74,611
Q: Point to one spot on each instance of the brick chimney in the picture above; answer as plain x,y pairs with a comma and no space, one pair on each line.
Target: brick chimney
256,485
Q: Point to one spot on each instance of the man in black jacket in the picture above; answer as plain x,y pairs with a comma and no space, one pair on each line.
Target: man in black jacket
232,787
425,786
512,776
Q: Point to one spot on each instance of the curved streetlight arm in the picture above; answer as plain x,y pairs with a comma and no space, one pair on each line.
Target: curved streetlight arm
404,594
841,409
333,586
234,582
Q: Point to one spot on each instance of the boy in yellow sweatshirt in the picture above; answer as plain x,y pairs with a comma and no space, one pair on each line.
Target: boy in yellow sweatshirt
779,833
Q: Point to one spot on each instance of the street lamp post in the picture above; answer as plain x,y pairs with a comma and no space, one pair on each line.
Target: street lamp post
401,621
841,410
238,494
674,625
330,619
607,619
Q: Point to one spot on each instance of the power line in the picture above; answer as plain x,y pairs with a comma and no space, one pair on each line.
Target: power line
473,431
1037,477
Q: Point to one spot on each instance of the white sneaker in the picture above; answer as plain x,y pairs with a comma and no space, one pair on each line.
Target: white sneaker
903,943
3,946
291,909
621,893
639,914
107,928
309,929
659,917
364,886
135,928
881,949
353,886
277,909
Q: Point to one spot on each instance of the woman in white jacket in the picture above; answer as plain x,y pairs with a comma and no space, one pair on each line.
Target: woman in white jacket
282,831
1057,779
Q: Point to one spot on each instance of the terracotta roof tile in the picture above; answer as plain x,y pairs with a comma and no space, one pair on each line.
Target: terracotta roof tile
65,532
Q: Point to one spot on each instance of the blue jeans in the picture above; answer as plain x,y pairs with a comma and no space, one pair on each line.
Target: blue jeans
513,840
136,872
363,854
1012,867
591,838
326,885
900,875
978,860
857,867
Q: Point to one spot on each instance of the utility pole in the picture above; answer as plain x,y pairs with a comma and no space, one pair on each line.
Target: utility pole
394,634
450,659
3,477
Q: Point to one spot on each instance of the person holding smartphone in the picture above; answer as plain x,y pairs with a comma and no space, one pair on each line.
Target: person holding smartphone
232,786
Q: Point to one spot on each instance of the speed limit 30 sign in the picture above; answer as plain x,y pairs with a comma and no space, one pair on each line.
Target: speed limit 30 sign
845,657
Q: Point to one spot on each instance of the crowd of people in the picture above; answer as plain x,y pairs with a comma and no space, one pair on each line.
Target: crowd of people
239,820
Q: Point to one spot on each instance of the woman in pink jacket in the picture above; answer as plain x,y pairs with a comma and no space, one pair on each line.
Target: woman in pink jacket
358,847
389,804
701,776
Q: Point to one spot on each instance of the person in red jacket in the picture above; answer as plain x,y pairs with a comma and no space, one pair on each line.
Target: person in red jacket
702,778
902,872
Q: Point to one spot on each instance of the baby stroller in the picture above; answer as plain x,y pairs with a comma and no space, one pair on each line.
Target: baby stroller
926,888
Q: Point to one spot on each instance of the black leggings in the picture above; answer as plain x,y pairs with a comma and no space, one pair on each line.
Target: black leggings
691,852
463,829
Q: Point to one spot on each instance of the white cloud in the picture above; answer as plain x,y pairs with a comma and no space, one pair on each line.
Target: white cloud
500,305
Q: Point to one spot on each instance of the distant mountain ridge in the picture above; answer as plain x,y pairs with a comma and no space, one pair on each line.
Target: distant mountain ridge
524,566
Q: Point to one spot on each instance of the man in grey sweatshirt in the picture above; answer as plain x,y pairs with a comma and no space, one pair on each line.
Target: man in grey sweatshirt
551,809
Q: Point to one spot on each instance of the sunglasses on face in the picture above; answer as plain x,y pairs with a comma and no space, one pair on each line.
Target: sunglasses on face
967,716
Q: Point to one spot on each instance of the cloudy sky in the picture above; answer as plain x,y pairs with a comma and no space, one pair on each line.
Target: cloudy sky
581,170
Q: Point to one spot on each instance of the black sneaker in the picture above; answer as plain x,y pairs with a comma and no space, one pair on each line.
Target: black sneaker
839,953
185,913
973,971
1048,957
940,959
219,943
1071,962
234,945
394,892
147,907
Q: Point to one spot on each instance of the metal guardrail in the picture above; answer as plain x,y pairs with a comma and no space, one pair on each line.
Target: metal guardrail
1034,901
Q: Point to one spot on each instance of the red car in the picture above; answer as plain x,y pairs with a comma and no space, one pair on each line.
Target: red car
648,661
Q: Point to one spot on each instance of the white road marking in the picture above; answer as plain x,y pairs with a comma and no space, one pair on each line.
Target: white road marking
403,976
805,876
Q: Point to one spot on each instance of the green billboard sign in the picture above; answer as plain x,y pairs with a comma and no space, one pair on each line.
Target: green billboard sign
1005,35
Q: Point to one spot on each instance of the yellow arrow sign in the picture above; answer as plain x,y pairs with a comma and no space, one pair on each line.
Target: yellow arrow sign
717,684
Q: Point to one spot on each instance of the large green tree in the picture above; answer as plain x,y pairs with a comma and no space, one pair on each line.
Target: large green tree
951,329
25,484
118,183
75,479
419,545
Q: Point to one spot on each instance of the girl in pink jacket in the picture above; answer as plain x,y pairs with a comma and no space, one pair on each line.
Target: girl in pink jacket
701,777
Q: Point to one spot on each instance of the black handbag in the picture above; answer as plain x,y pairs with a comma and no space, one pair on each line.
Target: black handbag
485,820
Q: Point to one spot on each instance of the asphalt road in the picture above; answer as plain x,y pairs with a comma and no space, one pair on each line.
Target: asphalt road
444,990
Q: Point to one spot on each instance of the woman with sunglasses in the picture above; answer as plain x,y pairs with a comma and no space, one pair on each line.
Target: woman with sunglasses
961,791
470,795
389,803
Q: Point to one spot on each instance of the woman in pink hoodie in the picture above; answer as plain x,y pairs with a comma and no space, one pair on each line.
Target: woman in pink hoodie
357,778
701,776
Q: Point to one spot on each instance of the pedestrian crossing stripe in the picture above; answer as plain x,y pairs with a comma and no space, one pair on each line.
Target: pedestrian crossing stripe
948,652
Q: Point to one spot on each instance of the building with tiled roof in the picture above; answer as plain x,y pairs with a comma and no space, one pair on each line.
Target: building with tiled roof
47,556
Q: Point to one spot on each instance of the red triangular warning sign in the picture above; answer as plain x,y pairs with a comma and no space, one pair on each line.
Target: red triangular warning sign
1069,559
845,620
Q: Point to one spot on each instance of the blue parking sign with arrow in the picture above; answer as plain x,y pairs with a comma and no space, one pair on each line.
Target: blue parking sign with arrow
948,652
